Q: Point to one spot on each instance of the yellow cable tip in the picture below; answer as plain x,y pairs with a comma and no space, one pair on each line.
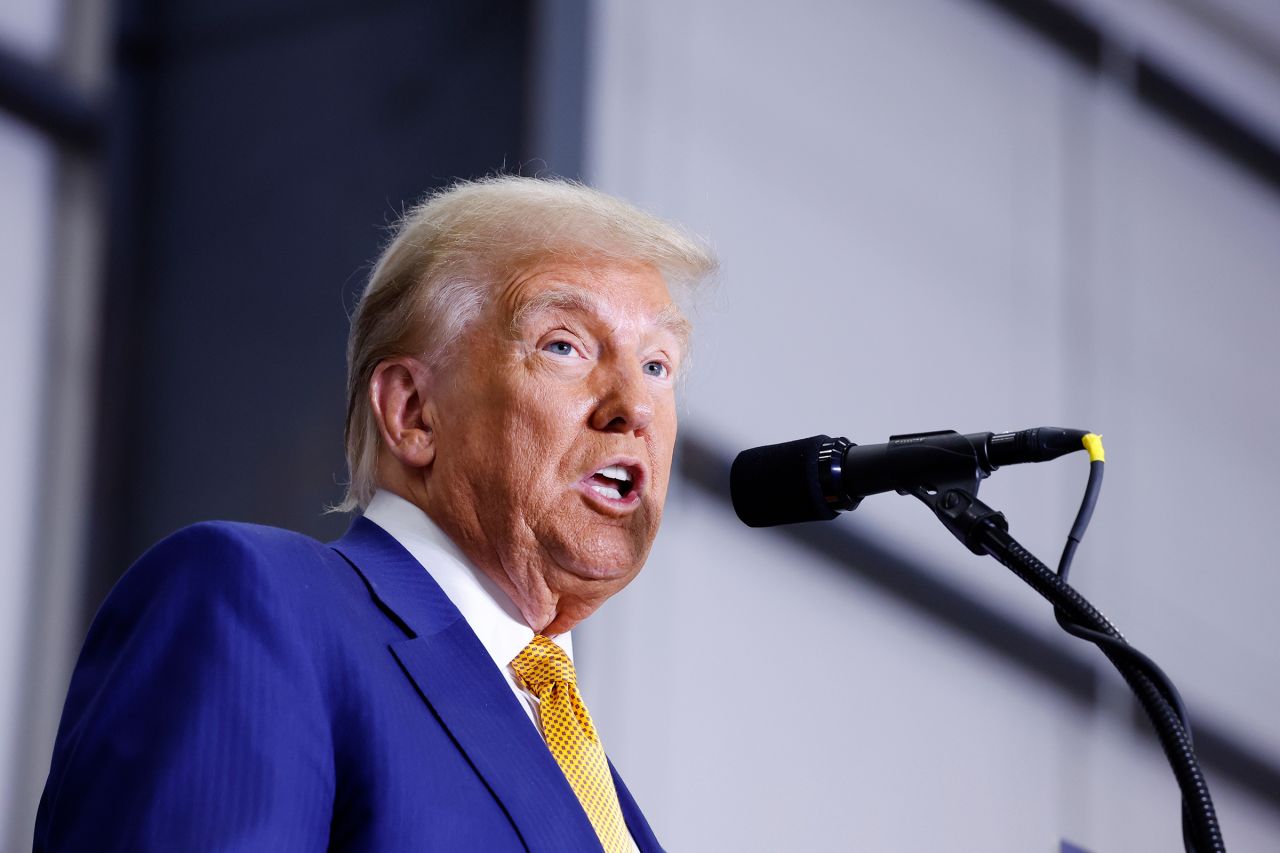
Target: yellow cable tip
1093,444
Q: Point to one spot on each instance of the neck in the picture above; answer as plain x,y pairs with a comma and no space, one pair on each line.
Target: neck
519,573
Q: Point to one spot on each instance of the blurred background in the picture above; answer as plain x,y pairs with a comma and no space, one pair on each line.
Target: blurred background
934,214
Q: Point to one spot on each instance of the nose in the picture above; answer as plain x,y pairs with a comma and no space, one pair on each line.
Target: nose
624,402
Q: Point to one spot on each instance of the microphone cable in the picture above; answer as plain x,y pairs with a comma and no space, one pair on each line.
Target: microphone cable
1097,460
1155,690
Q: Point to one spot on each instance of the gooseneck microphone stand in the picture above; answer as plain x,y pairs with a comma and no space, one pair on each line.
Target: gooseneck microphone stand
983,530
814,479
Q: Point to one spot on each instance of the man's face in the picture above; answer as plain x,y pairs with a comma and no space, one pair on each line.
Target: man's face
554,424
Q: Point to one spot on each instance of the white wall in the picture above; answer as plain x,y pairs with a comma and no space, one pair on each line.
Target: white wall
930,220
26,218
31,27
49,261
26,176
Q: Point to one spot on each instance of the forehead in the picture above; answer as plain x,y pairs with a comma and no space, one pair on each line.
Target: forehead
617,293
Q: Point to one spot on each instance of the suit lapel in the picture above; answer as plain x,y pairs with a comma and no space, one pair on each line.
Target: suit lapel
645,840
455,675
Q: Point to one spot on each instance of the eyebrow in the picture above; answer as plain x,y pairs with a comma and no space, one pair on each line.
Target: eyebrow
560,299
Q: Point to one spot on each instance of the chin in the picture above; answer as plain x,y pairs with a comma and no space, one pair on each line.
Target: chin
596,569
604,559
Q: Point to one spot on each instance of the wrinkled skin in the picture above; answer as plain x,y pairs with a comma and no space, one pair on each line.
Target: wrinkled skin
570,366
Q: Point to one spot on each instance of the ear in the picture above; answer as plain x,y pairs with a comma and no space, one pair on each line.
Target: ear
398,394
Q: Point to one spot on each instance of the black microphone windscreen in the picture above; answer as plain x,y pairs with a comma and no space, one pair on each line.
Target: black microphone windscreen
778,484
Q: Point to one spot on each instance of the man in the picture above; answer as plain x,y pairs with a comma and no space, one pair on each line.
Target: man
511,418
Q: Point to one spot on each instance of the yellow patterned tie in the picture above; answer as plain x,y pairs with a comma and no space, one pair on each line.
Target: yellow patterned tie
548,674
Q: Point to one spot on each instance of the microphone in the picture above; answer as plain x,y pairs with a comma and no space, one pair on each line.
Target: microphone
814,478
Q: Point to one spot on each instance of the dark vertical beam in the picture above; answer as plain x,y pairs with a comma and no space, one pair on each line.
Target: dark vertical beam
129,148
558,93
259,150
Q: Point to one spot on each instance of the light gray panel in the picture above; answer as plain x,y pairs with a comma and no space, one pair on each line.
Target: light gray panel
930,221
1187,292
26,164
891,228
31,26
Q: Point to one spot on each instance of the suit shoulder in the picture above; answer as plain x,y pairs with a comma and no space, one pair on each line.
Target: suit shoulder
233,543
219,556
183,676
238,537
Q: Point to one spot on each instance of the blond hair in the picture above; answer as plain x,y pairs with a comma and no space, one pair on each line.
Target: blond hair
449,252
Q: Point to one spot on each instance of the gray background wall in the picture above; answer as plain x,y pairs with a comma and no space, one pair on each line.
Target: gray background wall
929,220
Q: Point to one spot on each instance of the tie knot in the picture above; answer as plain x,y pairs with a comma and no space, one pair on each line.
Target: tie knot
542,663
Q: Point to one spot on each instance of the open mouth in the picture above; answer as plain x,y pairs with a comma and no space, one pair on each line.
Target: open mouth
615,482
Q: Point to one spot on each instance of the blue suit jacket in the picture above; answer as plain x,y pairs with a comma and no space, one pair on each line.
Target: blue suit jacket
245,688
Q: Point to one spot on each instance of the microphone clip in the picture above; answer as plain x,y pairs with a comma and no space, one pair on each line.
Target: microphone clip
962,513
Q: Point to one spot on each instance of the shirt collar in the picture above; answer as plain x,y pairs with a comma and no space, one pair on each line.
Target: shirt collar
486,607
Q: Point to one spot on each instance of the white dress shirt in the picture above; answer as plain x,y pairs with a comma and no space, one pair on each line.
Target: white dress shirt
488,610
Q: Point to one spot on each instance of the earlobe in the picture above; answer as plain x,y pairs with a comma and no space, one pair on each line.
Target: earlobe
398,397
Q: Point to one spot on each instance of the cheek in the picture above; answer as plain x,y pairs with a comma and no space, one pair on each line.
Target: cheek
662,447
533,447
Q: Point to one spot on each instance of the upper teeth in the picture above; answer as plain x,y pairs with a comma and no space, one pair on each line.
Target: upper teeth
615,472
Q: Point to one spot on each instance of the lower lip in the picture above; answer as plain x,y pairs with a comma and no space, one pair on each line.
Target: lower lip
628,501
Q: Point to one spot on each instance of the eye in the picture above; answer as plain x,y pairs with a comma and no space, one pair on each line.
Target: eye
561,348
656,369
